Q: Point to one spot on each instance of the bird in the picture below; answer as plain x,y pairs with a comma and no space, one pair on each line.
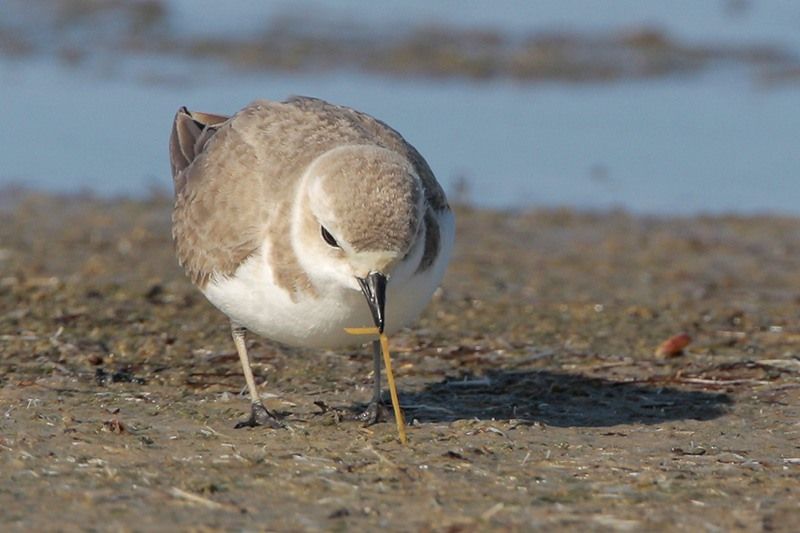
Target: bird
300,218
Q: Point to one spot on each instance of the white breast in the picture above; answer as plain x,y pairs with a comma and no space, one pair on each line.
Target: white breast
251,298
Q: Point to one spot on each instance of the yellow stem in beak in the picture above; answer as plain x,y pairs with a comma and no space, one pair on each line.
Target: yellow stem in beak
387,361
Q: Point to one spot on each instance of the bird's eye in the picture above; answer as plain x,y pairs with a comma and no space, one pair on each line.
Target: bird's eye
326,235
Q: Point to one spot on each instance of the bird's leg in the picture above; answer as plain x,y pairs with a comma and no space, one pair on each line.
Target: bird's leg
372,414
259,415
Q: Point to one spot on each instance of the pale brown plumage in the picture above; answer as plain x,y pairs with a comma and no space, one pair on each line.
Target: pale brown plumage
387,193
234,179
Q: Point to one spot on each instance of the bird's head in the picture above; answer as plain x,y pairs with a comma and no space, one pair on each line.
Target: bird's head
363,208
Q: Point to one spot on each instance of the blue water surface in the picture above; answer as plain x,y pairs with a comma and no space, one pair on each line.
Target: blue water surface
716,142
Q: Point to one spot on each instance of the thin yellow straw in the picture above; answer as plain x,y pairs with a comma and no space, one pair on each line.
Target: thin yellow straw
362,331
387,361
398,413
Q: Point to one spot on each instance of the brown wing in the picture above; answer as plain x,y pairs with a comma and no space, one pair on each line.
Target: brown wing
212,168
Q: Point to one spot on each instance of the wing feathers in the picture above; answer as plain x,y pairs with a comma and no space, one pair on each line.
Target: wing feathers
191,130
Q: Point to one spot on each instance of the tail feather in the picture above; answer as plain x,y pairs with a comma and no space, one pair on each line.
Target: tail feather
191,130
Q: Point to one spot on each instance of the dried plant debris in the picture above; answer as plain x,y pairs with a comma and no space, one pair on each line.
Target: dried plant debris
530,386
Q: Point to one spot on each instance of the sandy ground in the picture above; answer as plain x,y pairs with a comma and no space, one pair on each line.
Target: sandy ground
532,384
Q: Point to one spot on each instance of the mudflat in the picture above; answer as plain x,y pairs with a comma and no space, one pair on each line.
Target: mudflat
535,389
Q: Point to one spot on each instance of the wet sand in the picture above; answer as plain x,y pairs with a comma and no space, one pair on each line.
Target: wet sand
532,384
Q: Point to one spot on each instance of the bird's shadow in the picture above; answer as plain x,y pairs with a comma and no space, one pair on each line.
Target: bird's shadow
559,399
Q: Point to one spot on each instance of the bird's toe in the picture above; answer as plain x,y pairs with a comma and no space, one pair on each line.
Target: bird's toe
260,416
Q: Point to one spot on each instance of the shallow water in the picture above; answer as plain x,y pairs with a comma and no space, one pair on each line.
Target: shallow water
707,143
774,22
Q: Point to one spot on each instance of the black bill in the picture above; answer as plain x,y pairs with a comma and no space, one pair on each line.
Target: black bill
374,287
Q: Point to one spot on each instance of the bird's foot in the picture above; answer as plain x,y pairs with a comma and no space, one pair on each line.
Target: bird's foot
260,416
372,414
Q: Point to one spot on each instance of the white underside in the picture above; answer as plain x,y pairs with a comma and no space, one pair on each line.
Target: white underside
251,299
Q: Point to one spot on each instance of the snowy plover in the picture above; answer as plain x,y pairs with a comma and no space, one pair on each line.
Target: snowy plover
289,214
